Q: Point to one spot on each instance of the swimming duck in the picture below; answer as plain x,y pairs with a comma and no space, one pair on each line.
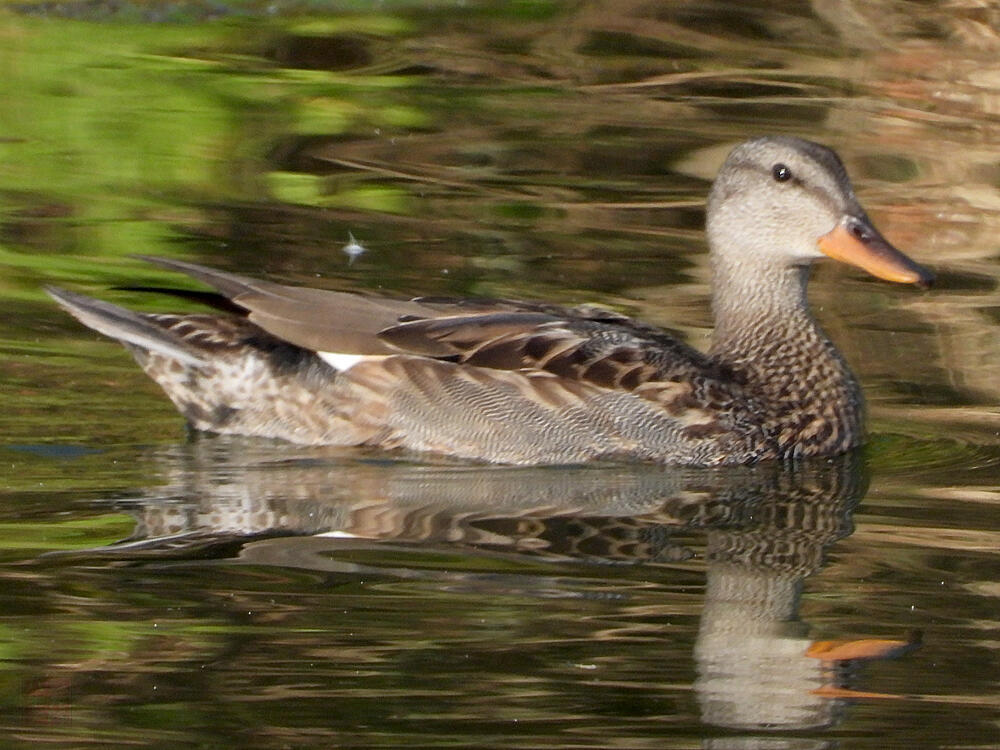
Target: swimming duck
532,383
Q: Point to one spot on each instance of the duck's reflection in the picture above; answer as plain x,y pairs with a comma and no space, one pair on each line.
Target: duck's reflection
767,529
757,666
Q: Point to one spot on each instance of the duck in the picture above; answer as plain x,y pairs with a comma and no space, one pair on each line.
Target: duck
521,382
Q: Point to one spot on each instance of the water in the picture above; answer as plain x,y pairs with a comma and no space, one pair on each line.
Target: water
170,590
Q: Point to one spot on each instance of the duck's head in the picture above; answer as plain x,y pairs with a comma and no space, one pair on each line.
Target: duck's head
782,202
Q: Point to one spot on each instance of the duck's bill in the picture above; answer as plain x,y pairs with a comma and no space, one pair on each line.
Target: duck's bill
857,242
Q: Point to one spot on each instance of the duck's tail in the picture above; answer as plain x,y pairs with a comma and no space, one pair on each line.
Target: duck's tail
226,374
131,328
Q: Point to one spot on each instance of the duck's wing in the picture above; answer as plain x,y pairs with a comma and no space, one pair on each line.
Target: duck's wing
316,319
325,320
586,344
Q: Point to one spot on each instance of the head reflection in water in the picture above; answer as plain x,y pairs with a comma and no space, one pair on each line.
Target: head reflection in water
758,669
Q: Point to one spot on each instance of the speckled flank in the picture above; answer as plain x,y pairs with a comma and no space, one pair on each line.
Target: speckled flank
254,384
529,383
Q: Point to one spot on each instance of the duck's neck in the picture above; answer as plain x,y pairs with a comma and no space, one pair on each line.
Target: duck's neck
752,305
764,332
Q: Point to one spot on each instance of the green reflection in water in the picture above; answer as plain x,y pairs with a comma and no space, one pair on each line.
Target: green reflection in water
76,533
120,131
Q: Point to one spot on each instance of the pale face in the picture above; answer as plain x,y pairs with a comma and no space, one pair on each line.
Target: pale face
780,202
775,198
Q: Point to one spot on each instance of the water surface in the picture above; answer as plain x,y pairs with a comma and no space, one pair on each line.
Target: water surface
167,590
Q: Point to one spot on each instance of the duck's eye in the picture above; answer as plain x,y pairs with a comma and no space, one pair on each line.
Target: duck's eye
781,173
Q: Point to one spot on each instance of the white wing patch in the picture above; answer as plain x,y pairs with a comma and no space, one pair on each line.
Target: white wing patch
344,362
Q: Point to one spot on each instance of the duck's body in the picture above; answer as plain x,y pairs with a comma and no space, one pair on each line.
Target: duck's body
528,383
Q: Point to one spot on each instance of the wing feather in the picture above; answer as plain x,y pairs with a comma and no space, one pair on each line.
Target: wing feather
587,344
611,351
